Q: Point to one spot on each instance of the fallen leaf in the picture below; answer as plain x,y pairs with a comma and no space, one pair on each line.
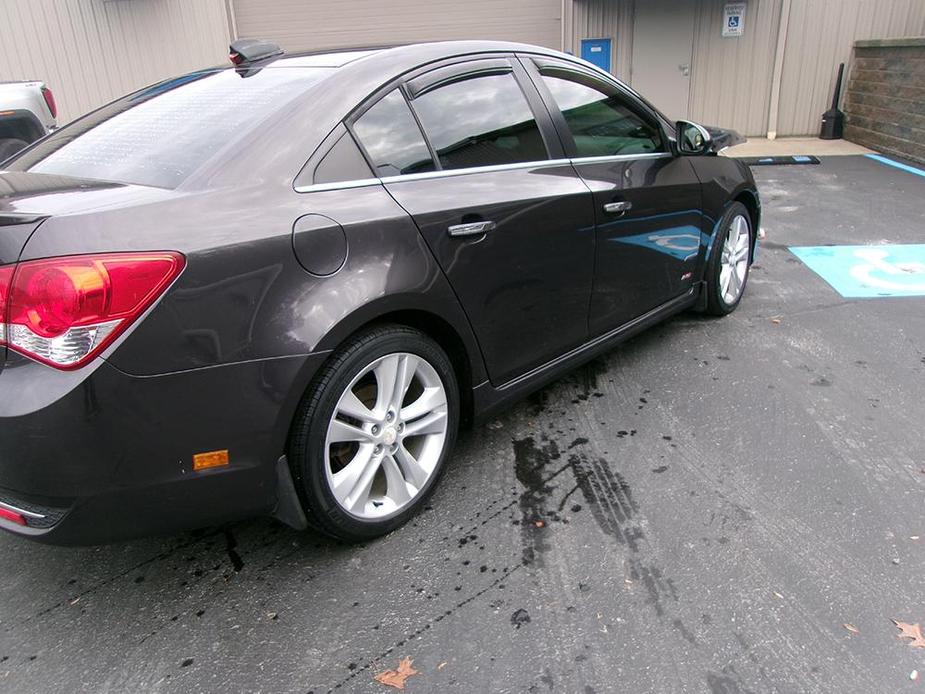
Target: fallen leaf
396,678
441,665
778,595
853,629
911,631
776,321
539,524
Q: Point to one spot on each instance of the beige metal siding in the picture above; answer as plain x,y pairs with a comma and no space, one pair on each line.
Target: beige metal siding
92,51
298,25
602,19
819,36
731,77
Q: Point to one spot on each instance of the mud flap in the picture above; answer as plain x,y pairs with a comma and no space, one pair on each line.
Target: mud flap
288,507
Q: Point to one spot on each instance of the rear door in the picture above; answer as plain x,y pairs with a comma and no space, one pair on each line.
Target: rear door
646,200
507,218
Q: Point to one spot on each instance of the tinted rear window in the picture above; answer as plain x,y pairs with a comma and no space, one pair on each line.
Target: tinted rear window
160,135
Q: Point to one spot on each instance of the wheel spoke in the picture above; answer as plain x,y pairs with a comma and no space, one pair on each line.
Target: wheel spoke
341,432
351,406
430,400
410,467
397,487
724,277
352,484
386,376
734,284
407,366
433,423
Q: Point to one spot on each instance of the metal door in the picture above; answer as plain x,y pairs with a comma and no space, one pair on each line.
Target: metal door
663,38
597,52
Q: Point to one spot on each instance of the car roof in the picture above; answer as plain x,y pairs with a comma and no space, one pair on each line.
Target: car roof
429,50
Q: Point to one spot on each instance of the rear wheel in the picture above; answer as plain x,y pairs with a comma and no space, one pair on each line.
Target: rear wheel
728,266
370,441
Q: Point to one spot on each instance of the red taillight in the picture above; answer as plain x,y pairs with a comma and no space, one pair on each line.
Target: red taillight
235,58
17,518
65,311
50,101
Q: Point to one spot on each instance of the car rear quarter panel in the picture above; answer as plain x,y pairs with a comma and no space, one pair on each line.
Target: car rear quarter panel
243,295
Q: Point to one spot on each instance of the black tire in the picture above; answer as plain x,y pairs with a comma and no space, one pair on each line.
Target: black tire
307,455
10,146
716,303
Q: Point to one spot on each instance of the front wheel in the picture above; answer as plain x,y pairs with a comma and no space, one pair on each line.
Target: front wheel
371,439
730,258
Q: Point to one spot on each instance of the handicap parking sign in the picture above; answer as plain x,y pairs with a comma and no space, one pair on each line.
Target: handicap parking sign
868,271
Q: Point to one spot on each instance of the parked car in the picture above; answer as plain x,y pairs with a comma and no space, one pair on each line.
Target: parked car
281,287
27,112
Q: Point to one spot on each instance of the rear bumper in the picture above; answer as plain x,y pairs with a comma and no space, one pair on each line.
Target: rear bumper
98,455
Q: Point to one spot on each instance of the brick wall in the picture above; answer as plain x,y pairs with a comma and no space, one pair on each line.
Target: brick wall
885,101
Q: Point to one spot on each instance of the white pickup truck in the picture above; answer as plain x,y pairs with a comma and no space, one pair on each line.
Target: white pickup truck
27,112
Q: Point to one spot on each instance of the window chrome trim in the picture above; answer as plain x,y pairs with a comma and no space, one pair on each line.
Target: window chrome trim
621,157
338,185
445,173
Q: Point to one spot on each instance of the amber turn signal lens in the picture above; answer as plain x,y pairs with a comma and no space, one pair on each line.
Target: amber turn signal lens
204,461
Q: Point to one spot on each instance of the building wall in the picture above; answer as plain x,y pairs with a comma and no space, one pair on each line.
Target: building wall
297,25
885,99
820,35
90,52
601,19
732,78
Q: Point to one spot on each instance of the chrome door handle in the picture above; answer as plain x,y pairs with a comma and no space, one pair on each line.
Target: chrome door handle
471,229
618,207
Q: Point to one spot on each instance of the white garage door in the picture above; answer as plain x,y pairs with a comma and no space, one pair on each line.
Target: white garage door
304,25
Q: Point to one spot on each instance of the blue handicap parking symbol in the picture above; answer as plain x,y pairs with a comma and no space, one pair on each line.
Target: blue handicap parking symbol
868,271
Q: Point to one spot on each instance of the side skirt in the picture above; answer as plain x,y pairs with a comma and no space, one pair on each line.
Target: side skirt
489,400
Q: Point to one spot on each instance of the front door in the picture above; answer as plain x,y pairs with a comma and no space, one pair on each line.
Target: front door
512,229
646,200
663,39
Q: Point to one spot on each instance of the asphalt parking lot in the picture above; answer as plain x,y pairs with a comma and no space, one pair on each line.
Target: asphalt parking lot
716,506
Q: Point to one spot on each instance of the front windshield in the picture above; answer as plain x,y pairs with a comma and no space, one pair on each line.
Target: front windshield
160,135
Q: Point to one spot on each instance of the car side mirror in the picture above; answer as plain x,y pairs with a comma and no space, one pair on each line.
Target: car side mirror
693,139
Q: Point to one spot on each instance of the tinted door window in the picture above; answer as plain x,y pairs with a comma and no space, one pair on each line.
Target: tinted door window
480,121
600,120
392,138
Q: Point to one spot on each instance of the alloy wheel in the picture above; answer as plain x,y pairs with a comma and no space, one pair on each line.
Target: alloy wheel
386,436
734,260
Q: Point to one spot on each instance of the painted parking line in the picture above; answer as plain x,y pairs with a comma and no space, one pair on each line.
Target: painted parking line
868,271
897,164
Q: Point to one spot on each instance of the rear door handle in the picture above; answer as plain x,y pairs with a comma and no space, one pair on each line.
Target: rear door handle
471,228
618,207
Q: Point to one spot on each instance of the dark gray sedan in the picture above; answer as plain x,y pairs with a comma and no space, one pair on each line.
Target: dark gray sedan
282,286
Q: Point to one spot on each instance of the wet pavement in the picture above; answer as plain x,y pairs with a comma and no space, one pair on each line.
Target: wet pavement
702,510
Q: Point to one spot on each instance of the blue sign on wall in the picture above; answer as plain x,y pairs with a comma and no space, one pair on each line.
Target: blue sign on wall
868,271
596,51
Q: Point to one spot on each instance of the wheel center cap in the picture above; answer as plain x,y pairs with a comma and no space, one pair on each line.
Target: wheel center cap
389,435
